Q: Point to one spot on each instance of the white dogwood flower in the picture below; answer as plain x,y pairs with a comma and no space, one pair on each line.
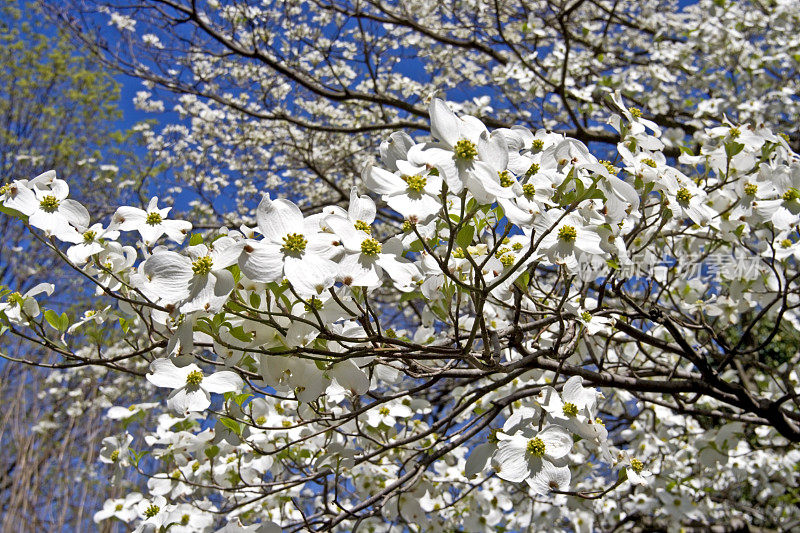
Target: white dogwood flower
151,223
191,387
522,455
200,281
293,247
48,207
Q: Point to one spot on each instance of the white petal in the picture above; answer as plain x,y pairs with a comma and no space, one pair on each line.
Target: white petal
184,400
361,207
575,393
225,253
264,263
550,477
478,458
224,381
444,123
128,218
349,376
359,271
383,182
557,441
311,274
493,151
164,373
168,274
401,271
74,212
512,460
278,218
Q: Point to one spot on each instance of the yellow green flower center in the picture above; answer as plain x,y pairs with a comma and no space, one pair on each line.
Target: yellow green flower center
370,247
734,132
49,203
499,253
202,266
118,507
363,226
533,169
535,447
750,189
465,149
786,243
636,465
5,189
505,178
537,145
195,466
312,303
194,378
570,409
610,167
114,456
185,520
407,227
458,253
528,190
416,183
151,510
261,420
517,246
791,195
383,411
89,235
286,423
508,260
294,242
568,233
649,162
154,218
683,195
635,112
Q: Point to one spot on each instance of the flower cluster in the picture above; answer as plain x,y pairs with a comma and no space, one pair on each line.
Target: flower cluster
459,348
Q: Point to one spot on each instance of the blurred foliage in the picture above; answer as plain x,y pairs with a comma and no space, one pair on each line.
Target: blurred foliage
58,110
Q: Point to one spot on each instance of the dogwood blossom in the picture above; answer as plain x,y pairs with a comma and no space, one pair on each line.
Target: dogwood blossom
191,388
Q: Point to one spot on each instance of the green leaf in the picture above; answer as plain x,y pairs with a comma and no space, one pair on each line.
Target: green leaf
464,237
137,456
733,148
236,271
231,424
241,398
13,213
255,300
211,451
195,239
56,321
63,322
240,334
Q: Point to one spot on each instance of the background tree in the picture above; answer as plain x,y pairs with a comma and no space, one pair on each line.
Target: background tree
296,94
58,109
